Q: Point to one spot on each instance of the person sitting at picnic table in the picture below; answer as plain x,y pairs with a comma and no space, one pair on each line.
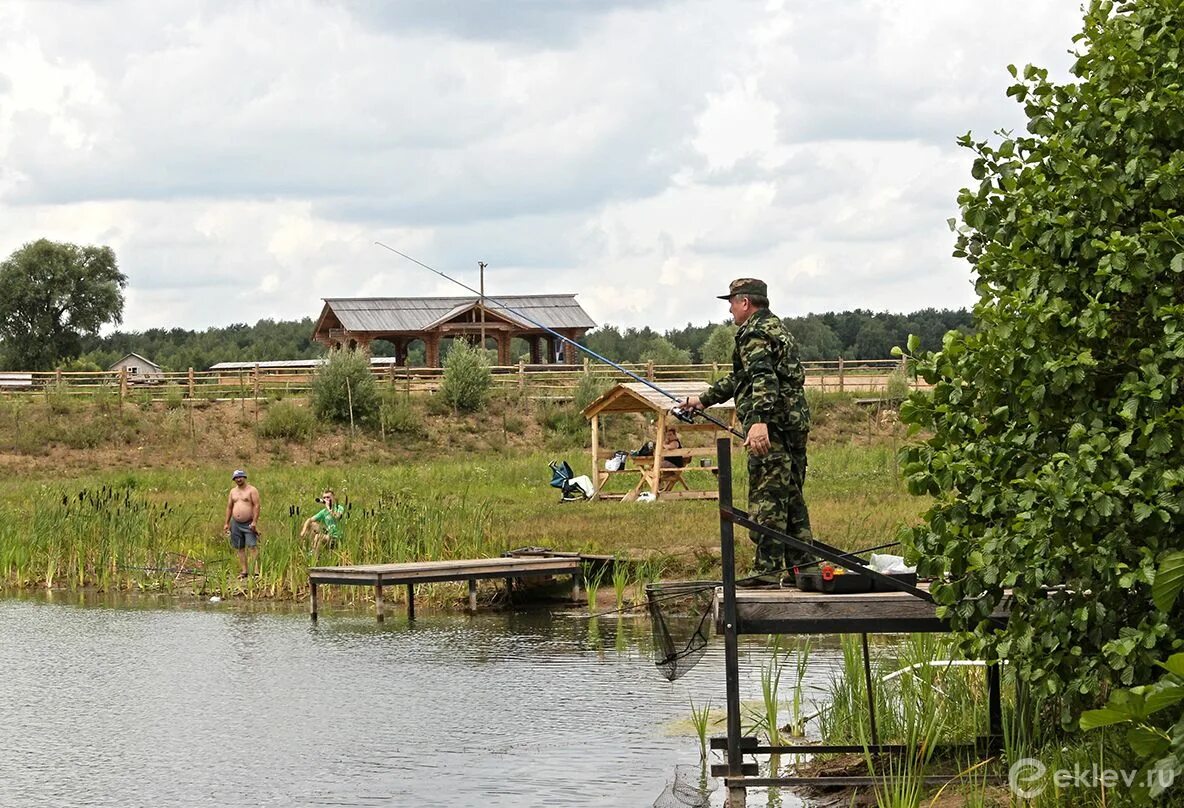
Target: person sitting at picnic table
671,442
325,522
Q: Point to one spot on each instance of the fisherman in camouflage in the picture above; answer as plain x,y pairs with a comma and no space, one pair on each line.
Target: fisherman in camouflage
768,385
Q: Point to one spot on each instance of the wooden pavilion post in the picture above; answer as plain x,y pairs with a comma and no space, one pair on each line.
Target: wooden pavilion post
596,481
659,451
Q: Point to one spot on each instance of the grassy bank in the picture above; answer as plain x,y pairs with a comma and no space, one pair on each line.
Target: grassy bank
150,528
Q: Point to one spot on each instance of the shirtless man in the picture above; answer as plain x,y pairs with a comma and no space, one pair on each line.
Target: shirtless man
242,521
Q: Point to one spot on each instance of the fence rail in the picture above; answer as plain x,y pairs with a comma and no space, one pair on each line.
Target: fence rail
540,381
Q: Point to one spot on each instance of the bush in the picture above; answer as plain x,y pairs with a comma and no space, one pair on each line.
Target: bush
1054,434
513,425
564,426
399,416
898,386
588,389
61,403
345,383
174,399
466,378
288,421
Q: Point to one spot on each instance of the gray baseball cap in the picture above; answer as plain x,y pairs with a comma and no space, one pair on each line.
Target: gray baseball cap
238,473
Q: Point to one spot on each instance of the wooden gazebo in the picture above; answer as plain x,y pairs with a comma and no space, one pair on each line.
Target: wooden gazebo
355,322
662,482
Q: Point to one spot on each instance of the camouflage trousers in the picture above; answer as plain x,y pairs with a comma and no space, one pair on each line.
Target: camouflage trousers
775,499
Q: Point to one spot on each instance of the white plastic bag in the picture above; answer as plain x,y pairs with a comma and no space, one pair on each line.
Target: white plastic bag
890,564
616,462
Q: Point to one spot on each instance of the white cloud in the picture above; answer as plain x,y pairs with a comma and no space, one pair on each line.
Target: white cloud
243,158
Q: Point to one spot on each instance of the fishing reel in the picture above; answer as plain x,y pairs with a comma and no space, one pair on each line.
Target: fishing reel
686,416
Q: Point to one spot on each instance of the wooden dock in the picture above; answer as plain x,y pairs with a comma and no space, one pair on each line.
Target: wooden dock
792,611
425,572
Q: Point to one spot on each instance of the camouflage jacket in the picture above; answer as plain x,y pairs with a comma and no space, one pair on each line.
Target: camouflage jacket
767,379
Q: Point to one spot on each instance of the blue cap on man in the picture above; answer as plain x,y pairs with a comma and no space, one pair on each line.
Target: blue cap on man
238,473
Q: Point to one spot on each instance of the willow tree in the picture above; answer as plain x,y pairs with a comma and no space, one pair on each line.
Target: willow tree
1056,456
52,295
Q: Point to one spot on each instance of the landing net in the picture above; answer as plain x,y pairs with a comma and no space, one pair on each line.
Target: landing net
691,789
680,618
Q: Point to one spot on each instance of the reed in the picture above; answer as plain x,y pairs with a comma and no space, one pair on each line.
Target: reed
161,530
620,579
801,661
592,588
700,716
767,716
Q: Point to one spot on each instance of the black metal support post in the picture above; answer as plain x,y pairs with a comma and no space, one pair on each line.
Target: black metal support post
723,447
871,691
994,707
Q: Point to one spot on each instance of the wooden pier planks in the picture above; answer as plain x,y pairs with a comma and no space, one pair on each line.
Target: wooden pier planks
425,572
791,611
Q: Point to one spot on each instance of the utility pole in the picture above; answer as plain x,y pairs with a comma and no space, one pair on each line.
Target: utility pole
482,265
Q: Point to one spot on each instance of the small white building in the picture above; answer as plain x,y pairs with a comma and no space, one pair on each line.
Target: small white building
139,369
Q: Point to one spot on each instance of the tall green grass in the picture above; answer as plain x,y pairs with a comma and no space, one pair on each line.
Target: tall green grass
132,530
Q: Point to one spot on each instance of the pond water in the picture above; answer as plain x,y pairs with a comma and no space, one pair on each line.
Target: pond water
149,702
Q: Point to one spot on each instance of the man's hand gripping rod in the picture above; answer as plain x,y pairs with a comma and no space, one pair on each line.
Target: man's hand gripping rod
681,414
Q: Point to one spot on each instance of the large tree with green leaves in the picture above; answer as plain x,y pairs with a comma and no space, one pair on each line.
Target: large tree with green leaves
1056,456
51,296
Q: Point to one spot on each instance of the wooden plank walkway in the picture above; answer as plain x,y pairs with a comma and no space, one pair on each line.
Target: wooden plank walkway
792,611
423,572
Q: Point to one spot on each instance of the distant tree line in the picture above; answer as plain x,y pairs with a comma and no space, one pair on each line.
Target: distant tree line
858,334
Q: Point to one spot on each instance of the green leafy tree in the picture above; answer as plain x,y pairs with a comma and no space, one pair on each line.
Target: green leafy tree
720,345
1155,738
344,389
1056,461
875,340
52,295
662,351
816,340
467,378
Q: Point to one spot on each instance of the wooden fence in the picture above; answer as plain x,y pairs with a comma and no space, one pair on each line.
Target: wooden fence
872,376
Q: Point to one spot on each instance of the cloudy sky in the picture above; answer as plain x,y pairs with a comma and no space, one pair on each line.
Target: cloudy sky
242,157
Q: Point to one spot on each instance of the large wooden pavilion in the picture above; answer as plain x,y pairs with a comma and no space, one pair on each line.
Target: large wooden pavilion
662,481
355,322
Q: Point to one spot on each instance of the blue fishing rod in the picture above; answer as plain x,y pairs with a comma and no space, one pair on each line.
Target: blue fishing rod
678,412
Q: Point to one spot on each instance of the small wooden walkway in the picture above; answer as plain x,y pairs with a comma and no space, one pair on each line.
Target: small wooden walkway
792,611
424,572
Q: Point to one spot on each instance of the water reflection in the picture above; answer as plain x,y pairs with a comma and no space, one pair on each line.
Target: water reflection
148,702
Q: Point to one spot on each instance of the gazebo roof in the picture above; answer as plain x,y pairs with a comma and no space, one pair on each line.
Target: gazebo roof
637,397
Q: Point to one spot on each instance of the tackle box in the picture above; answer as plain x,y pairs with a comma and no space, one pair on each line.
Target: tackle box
836,580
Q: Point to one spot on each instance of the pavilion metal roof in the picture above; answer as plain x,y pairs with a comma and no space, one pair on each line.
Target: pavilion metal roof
637,397
388,314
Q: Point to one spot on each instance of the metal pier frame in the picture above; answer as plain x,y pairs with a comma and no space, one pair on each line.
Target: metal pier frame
909,609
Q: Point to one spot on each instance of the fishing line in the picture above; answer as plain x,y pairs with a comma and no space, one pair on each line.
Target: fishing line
682,415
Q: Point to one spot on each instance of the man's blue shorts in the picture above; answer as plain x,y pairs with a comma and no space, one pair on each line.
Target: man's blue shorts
241,535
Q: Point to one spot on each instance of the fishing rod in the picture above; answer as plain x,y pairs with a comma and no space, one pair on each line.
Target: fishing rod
679,413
